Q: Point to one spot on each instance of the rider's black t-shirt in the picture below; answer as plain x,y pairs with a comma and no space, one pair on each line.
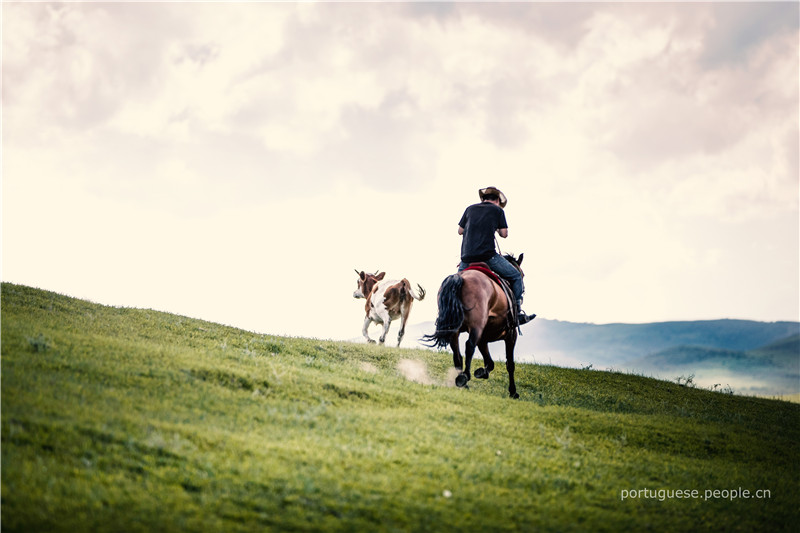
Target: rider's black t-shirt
480,221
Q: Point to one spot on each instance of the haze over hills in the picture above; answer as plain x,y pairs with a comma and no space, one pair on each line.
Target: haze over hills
749,357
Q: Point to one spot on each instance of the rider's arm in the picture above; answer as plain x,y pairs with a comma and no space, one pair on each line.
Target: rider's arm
460,230
503,232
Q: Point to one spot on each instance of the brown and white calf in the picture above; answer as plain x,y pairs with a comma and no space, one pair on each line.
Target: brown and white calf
387,300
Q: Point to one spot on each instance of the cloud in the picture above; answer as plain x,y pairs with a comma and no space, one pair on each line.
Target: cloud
736,30
70,66
203,153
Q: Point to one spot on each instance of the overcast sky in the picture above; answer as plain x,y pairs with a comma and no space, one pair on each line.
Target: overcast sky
237,162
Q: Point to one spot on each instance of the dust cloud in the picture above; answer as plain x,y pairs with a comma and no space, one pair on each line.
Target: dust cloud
415,371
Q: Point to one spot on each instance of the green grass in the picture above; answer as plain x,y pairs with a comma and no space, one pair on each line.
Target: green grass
119,419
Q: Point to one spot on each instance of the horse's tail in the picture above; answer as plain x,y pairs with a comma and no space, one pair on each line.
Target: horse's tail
451,313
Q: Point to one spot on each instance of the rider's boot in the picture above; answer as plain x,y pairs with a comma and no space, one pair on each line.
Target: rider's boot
522,316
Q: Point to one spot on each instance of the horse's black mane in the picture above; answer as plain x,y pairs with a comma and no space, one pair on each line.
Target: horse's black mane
513,260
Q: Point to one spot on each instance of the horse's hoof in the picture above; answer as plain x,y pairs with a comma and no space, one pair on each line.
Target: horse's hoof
481,373
370,341
461,380
515,396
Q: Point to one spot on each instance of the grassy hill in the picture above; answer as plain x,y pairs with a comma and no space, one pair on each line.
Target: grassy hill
119,419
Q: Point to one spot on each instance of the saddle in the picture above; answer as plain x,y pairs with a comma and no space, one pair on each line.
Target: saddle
511,317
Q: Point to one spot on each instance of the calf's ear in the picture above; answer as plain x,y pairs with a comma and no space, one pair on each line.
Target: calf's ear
380,276
519,261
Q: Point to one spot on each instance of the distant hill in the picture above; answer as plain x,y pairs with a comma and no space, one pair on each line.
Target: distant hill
784,353
781,355
614,344
771,369
752,357
696,356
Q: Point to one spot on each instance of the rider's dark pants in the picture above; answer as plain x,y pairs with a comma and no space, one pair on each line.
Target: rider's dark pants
504,269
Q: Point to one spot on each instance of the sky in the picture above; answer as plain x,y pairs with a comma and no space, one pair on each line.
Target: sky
236,162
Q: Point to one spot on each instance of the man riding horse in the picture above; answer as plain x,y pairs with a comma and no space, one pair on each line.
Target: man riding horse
474,300
478,226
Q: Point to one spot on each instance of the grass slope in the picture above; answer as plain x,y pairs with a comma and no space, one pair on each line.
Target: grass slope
135,420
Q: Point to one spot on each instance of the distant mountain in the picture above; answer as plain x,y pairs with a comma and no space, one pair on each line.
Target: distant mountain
783,353
749,356
614,344
769,370
680,356
780,355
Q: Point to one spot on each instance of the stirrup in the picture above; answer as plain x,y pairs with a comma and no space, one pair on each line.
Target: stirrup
523,317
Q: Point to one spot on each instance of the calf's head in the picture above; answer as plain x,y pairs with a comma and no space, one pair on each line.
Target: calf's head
366,282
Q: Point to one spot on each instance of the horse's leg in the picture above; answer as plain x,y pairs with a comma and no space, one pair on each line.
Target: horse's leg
457,360
488,364
469,351
511,340
364,330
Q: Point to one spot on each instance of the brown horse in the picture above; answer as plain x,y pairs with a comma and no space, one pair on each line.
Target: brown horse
471,302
